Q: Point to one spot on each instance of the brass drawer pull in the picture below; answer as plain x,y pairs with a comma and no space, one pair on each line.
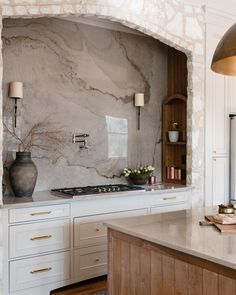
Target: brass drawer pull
40,270
40,213
97,259
41,238
169,198
97,229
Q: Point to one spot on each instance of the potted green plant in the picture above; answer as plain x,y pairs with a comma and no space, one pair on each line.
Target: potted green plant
139,175
174,133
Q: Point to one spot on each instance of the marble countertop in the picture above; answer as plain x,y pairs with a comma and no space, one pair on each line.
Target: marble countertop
47,197
181,231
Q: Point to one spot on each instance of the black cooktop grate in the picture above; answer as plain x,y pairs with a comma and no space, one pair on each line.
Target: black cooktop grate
87,190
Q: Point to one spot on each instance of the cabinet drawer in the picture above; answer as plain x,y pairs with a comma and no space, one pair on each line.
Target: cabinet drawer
38,213
176,207
90,262
90,230
36,238
32,272
171,198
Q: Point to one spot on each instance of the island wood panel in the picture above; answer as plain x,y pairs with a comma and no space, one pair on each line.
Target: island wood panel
149,269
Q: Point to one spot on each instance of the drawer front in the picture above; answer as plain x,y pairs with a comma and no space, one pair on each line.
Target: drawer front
90,230
171,198
170,208
38,213
38,238
32,272
90,262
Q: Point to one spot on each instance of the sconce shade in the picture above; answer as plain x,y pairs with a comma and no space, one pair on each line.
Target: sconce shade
16,90
139,99
224,59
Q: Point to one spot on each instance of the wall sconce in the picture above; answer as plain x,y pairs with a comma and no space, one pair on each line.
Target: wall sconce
16,92
139,102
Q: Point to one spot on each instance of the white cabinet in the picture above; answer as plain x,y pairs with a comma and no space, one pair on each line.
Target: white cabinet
48,247
220,180
38,213
220,102
32,272
37,238
89,231
217,121
90,262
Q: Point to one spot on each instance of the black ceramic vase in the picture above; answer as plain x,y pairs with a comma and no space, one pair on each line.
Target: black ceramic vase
139,179
23,175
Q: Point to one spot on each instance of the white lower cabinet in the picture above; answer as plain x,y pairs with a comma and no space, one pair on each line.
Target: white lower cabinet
90,262
168,208
37,238
89,231
41,270
48,247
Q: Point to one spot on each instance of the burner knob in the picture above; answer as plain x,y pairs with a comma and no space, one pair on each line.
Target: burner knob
114,189
118,189
109,189
99,190
104,190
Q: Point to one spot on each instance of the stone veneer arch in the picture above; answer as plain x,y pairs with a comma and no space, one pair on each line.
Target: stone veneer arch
173,23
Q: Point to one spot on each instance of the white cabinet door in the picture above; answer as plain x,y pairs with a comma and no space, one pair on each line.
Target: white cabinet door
90,230
218,104
217,121
220,181
231,82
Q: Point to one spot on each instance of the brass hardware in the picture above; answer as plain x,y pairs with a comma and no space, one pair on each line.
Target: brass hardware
97,229
97,259
168,198
41,238
40,270
40,213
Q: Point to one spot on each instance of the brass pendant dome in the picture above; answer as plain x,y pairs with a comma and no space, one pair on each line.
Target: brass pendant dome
224,59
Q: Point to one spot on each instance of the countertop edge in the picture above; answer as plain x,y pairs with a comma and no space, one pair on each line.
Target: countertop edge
53,199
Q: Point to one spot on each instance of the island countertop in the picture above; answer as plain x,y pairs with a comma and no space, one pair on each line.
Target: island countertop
181,231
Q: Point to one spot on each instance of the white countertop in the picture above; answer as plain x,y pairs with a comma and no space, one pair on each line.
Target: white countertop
48,198
181,231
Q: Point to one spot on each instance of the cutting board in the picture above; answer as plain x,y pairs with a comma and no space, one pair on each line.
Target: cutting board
223,228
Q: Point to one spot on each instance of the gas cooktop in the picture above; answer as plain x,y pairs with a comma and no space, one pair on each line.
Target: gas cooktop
97,189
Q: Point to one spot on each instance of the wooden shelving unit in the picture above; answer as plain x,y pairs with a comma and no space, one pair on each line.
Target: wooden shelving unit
175,110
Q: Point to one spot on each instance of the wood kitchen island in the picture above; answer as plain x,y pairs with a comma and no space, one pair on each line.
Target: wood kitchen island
170,254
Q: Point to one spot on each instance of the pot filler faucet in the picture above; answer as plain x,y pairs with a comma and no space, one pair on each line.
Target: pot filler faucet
80,139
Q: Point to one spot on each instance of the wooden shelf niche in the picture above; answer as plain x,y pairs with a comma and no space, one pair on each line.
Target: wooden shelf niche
174,153
175,110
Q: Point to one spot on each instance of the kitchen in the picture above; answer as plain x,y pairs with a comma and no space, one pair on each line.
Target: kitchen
80,77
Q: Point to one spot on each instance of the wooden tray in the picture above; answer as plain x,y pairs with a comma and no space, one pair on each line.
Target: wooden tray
223,228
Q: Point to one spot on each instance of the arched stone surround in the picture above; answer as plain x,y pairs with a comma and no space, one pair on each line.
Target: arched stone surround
175,24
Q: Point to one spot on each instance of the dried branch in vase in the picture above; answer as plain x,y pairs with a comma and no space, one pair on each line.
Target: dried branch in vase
41,135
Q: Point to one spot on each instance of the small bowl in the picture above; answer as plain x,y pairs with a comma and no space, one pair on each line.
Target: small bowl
226,209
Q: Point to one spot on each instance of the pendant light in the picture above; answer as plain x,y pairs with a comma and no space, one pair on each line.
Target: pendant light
224,59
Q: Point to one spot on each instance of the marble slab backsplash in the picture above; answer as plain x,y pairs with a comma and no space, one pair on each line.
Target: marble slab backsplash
81,79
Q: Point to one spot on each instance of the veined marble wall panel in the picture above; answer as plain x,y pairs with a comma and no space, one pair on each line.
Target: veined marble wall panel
81,79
